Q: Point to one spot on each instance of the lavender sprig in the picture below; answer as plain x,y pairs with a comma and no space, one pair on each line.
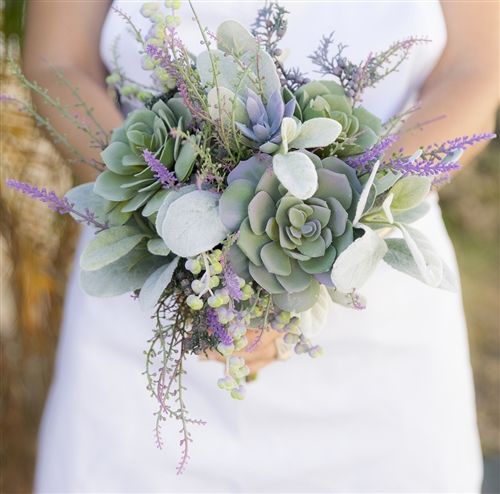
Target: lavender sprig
161,172
435,159
59,204
364,161
356,78
218,328
231,281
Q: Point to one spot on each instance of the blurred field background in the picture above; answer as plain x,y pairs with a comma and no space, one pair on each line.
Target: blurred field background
36,248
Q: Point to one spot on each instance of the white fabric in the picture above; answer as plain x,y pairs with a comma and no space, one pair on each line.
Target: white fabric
388,408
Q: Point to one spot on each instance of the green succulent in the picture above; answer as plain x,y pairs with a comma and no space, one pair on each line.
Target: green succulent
360,128
128,179
286,244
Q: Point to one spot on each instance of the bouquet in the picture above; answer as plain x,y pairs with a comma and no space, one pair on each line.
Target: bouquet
240,194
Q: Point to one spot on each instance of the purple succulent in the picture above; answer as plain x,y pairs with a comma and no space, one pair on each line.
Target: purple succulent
264,127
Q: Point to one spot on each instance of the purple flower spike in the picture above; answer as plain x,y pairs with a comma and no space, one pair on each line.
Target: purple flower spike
214,324
364,161
59,204
231,281
165,176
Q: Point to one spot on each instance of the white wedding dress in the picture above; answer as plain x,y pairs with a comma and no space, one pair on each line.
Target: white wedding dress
388,408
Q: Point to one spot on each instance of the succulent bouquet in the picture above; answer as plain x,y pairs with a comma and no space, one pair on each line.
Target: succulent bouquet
239,194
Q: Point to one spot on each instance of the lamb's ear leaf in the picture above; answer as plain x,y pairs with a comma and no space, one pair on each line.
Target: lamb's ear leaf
313,320
409,192
356,264
109,245
400,257
155,285
365,193
297,174
317,132
427,261
122,276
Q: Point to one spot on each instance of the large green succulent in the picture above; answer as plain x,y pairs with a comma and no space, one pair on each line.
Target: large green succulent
128,179
284,243
360,128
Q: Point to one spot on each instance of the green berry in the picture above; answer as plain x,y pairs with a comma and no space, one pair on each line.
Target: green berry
216,268
238,393
214,281
194,302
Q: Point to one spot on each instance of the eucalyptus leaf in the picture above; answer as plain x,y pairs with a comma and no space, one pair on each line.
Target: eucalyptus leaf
191,224
235,39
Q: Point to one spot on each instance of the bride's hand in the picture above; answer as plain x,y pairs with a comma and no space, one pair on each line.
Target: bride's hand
262,352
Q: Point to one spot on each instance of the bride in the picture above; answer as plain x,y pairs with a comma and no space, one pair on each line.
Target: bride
390,406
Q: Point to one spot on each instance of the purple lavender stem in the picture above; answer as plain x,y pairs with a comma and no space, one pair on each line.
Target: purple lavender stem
231,281
165,176
214,324
363,161
59,204
434,158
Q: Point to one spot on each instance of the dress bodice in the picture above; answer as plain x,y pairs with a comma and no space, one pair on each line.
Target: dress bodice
366,27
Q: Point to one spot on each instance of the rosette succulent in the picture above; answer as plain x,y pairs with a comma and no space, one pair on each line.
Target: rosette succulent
360,128
128,179
286,244
262,124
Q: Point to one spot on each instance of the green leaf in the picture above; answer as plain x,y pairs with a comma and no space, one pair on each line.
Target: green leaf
400,257
356,264
363,198
428,262
109,186
230,106
108,246
124,275
83,197
289,130
313,320
410,192
234,39
155,285
265,279
191,224
317,132
300,301
158,247
233,204
297,174
411,215
113,156
168,200
185,161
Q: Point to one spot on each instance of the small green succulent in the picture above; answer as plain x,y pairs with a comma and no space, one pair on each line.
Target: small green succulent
128,179
360,129
284,243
